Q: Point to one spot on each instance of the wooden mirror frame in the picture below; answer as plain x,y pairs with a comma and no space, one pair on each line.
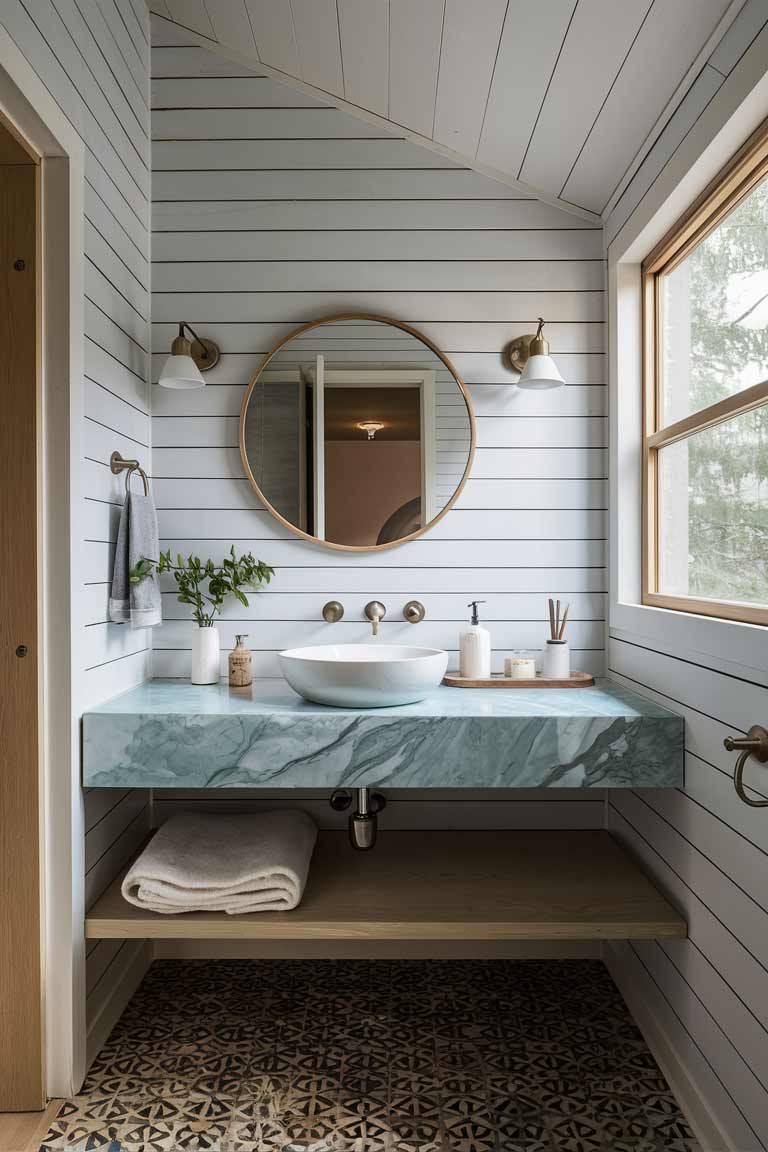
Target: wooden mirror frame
379,320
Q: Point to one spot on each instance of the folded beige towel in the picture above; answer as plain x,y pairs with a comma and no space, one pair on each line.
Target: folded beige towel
203,863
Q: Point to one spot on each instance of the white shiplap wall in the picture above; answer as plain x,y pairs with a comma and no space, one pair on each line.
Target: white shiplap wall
270,209
93,56
704,999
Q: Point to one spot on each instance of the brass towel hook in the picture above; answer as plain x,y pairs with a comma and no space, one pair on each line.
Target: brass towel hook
755,743
118,464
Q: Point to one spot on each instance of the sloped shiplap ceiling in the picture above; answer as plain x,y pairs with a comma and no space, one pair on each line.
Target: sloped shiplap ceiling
558,95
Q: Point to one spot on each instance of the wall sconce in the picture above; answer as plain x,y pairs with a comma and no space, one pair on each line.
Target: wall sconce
371,427
188,360
529,355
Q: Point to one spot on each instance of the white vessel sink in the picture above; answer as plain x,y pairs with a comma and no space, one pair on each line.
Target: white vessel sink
363,675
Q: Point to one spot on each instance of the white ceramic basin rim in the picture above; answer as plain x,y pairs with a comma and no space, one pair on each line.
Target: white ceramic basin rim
363,675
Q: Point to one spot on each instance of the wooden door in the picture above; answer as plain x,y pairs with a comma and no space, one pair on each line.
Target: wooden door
21,1045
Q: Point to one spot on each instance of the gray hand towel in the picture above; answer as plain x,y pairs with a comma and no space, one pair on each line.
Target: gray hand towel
202,863
137,604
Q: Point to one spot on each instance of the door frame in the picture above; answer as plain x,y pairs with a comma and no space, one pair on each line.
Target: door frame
316,380
29,109
22,1001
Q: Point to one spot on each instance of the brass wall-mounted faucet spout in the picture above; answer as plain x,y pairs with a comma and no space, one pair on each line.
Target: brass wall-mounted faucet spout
375,611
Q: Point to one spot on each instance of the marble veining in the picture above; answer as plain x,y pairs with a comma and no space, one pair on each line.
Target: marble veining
173,734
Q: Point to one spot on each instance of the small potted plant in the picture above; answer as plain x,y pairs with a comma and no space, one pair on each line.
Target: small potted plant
205,586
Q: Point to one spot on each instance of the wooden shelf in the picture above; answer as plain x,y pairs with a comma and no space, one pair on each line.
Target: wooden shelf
437,886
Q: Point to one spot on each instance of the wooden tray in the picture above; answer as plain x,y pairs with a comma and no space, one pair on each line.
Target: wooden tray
575,680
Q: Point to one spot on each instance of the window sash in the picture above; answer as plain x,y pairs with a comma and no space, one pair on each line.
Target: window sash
747,168
704,418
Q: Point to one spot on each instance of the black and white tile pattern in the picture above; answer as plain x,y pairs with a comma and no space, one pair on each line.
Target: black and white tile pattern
374,1056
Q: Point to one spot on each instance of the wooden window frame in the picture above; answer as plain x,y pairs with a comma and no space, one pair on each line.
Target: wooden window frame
732,184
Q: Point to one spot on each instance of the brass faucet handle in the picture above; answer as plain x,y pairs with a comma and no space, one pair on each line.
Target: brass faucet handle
333,611
414,612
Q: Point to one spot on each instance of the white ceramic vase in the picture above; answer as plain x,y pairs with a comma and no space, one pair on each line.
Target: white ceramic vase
206,659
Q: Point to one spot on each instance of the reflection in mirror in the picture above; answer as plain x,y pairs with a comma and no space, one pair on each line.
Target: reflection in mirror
357,433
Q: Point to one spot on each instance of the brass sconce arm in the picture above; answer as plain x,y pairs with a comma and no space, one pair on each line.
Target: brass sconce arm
205,353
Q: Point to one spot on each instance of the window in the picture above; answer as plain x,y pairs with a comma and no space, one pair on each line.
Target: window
705,459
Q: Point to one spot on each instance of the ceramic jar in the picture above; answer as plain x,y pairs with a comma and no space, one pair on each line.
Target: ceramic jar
557,660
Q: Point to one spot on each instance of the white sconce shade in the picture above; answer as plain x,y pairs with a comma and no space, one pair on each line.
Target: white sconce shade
188,360
181,372
540,372
529,355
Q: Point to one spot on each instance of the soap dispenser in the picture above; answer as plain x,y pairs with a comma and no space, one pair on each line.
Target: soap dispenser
475,648
240,664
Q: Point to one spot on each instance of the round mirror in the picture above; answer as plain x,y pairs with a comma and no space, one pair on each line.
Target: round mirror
357,432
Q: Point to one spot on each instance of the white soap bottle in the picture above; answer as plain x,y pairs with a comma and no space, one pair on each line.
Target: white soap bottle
475,648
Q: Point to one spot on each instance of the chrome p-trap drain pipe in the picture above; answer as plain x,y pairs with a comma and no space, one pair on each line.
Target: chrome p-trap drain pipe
363,821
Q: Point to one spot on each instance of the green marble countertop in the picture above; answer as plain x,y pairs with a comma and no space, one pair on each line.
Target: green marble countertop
174,734
267,697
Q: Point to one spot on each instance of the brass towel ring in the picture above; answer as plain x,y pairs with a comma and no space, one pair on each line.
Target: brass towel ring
755,743
143,475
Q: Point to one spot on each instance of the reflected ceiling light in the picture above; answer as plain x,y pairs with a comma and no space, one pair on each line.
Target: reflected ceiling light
188,360
371,427
529,355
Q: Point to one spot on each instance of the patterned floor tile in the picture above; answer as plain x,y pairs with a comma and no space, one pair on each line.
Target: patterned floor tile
515,1145
374,1056
524,1132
